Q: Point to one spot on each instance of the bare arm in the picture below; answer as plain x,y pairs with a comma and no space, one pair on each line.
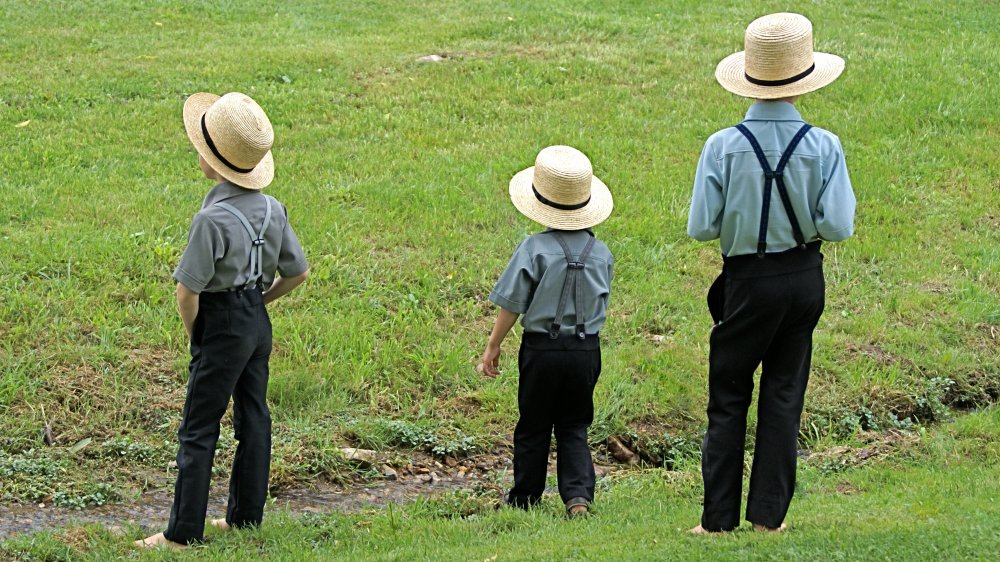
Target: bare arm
187,306
282,286
504,322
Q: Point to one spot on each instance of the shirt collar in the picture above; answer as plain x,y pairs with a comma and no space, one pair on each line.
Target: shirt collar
773,111
223,191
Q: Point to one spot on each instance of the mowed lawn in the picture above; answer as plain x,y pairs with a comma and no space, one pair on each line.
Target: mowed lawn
395,175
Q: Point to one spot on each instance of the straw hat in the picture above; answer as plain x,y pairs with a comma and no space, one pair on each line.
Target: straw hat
779,61
233,135
560,191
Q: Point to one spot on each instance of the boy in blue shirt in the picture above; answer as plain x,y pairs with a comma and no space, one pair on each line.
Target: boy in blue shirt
559,280
770,295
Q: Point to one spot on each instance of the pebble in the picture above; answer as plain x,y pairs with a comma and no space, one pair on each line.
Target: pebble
389,473
430,58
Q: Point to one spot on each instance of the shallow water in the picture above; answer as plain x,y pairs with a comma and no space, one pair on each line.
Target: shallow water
152,509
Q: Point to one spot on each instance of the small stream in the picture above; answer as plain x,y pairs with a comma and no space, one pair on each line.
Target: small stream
152,509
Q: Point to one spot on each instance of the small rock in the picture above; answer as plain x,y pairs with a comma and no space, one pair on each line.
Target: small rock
172,464
463,469
657,338
389,473
41,505
434,477
424,478
364,457
438,465
451,462
483,466
423,470
409,468
864,454
430,58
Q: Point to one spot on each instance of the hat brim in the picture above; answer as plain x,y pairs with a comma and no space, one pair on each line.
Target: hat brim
593,213
731,74
258,178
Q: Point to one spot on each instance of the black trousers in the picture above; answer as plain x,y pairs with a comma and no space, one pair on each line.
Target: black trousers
555,391
771,307
230,349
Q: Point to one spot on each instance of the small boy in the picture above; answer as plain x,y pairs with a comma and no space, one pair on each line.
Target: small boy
770,295
560,281
226,276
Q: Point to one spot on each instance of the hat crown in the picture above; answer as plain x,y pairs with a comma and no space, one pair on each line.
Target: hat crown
563,175
239,129
778,46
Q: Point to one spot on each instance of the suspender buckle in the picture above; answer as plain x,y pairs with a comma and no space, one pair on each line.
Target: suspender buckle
258,242
554,331
575,265
580,332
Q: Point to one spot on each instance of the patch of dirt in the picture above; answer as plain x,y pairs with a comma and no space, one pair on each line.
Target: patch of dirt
847,489
882,357
875,445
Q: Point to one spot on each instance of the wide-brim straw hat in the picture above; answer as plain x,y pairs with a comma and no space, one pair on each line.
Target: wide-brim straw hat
233,134
560,191
778,60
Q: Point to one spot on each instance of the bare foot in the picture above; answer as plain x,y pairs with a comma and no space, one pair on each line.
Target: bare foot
699,530
764,529
158,540
220,524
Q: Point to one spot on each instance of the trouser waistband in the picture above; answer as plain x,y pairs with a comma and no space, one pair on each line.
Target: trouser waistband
565,342
239,298
776,263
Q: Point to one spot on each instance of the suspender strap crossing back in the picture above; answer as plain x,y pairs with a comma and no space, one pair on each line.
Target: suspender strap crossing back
778,176
574,274
256,239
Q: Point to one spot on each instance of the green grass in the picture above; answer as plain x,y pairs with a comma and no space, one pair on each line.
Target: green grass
395,174
911,505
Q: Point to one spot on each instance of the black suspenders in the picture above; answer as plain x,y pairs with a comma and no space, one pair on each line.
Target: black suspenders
777,176
574,274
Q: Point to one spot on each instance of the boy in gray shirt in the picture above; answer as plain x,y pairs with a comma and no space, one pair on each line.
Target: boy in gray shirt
559,280
237,242
770,295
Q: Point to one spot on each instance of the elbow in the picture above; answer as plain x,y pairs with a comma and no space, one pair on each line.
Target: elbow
703,235
837,235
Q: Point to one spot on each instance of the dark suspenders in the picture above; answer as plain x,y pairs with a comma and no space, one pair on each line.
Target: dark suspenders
574,274
777,176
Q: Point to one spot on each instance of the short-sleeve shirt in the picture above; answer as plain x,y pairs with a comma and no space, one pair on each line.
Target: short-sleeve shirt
533,282
729,184
217,257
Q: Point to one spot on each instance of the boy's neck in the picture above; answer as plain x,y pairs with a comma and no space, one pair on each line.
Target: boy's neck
789,99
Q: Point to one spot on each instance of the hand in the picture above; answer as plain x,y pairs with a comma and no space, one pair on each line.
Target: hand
491,357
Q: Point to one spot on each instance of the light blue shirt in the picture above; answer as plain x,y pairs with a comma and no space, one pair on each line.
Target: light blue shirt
729,184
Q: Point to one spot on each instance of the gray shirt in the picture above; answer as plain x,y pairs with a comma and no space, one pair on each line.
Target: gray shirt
533,281
729,185
217,257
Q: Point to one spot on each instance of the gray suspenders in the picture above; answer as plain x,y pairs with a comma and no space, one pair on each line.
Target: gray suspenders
574,272
256,239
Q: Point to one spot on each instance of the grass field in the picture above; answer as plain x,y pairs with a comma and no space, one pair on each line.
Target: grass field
395,174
